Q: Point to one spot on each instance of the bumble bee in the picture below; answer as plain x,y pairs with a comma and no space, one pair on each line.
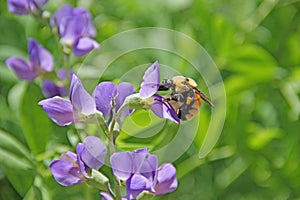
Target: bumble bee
185,98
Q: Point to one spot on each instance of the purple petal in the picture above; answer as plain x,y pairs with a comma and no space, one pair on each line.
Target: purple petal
59,110
65,173
121,164
36,4
164,109
84,45
137,184
94,152
19,7
166,179
90,30
104,94
141,150
151,81
40,57
106,196
124,89
82,166
50,89
22,68
73,29
145,164
69,156
60,17
81,100
62,74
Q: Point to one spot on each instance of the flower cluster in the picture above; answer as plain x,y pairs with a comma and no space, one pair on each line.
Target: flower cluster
41,61
67,102
138,168
24,7
141,172
76,30
74,168
113,102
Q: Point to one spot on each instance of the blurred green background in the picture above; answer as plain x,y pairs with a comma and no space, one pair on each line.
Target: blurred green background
256,47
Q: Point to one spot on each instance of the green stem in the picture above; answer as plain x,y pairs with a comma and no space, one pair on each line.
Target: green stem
112,150
87,193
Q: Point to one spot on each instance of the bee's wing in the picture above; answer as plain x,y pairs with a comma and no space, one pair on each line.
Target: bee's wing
205,98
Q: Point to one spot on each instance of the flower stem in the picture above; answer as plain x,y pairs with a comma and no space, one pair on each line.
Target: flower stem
112,149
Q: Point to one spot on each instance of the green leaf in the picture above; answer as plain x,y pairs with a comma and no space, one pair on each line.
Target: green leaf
21,180
11,144
35,122
12,33
33,194
13,161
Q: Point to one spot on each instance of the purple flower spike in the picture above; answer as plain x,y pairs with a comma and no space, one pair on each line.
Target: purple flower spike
151,81
141,173
41,61
24,7
64,112
76,29
75,168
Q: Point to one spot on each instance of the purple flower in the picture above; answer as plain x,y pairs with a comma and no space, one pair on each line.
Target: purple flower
109,98
76,29
64,112
41,61
166,179
75,168
24,7
149,87
141,172
106,196
51,89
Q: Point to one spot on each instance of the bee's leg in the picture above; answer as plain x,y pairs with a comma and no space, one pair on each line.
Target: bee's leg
170,99
179,114
176,97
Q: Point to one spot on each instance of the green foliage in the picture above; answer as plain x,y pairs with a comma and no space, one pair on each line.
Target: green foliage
255,45
35,123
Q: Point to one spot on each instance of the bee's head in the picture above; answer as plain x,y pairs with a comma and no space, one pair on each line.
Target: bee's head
166,84
181,81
